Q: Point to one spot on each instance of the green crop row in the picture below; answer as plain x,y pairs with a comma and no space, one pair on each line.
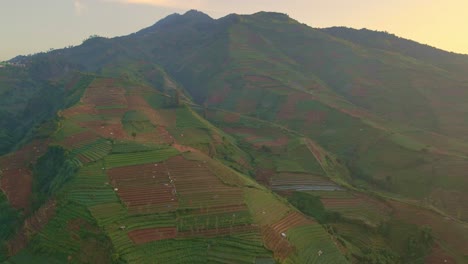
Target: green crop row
95,150
313,245
213,221
131,147
120,160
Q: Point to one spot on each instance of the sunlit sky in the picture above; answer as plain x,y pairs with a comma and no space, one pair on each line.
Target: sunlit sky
29,26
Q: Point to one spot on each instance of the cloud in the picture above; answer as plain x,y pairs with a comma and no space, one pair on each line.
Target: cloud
79,7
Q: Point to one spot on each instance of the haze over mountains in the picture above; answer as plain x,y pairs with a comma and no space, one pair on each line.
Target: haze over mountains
270,138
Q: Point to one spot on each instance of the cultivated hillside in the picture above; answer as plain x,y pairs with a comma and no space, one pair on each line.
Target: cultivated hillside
243,139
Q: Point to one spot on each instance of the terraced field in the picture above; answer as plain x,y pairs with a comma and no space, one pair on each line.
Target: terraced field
359,207
301,182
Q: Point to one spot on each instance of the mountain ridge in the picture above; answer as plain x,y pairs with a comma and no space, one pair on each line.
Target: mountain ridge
359,136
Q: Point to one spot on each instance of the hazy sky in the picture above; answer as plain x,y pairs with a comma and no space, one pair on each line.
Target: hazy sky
29,26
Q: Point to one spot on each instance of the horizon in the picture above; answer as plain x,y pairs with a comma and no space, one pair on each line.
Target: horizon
53,24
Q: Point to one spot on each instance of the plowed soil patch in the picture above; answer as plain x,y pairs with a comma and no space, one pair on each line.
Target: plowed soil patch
274,235
277,243
79,109
16,178
144,187
102,95
31,226
17,186
142,236
106,129
292,220
79,139
198,186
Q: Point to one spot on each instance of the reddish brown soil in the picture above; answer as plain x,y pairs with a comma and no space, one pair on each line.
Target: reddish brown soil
116,113
16,178
79,139
277,243
31,226
274,240
183,148
142,236
292,220
103,93
145,187
17,186
209,190
106,129
79,109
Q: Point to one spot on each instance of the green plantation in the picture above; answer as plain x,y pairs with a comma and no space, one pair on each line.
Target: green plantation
244,139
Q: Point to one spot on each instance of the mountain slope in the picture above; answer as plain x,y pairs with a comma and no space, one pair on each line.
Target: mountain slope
135,189
359,130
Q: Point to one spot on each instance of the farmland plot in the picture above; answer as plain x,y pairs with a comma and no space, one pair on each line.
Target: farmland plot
145,188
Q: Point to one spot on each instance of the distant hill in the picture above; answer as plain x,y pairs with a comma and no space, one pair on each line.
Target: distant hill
244,139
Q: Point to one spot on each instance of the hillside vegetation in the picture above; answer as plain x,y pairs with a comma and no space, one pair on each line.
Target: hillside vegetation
246,139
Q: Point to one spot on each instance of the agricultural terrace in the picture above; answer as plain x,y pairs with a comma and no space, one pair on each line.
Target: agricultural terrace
260,137
189,129
90,186
79,139
145,188
320,249
360,207
15,175
233,249
137,158
71,234
104,95
301,182
93,151
454,236
208,191
275,235
137,122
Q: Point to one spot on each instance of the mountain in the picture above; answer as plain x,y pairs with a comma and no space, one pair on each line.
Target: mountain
244,139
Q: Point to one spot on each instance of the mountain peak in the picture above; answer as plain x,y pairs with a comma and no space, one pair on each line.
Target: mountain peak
196,14
272,15
190,17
